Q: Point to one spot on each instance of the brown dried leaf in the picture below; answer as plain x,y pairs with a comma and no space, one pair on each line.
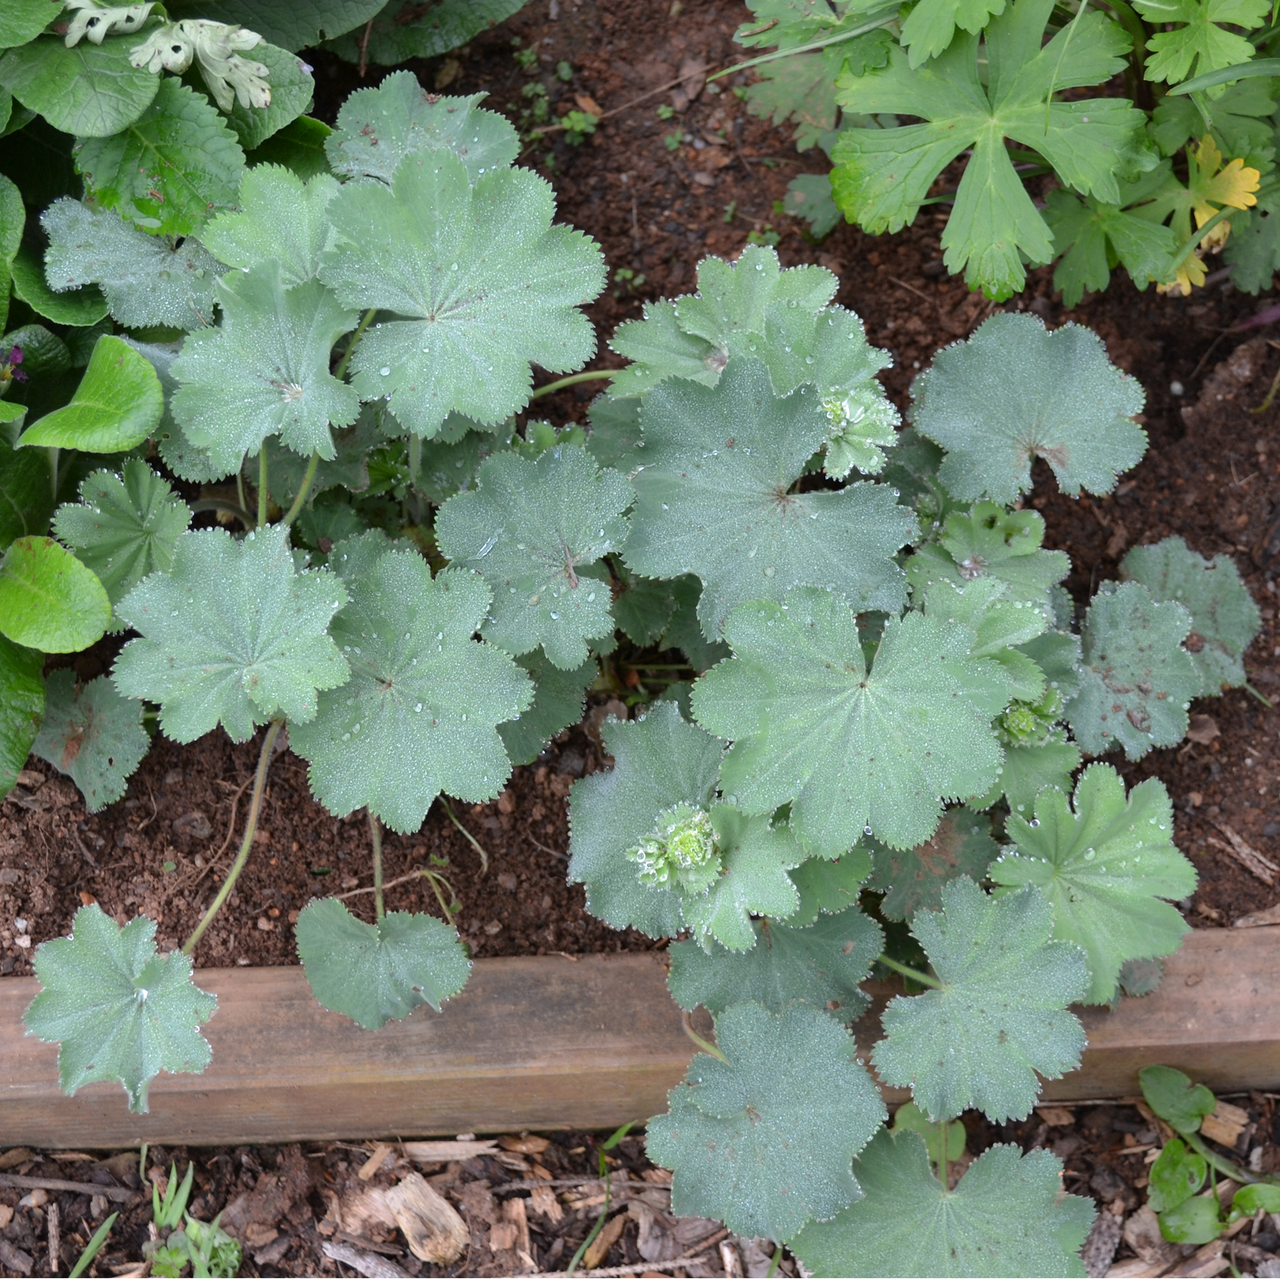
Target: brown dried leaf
599,1248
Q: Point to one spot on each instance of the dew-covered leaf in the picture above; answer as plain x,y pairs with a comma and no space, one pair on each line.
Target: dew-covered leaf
48,599
169,169
614,437
420,713
1016,391
1138,680
1105,868
232,634
558,698
659,762
913,879
828,886
377,128
91,734
277,215
851,749
147,281
764,1141
1000,1015
21,707
120,1011
1224,618
819,965
265,370
1028,770
482,281
124,527
1006,1217
79,307
376,972
116,406
713,499
536,530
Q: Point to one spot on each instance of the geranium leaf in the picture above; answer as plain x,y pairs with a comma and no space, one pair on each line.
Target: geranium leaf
48,599
713,499
915,878
1224,618
1000,1014
232,634
147,281
169,169
377,128
1105,868
420,713
277,216
1016,391
819,965
851,749
21,707
117,405
376,972
79,307
1007,1216
1203,43
124,526
482,280
659,762
1138,680
265,370
764,1140
93,735
828,887
120,1011
558,700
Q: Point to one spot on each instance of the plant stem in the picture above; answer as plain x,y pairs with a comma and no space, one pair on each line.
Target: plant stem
292,514
365,321
375,834
880,18
250,826
475,844
244,505
415,459
222,504
264,494
52,454
705,1045
942,1153
1222,1165
1194,243
914,974
589,375
595,1231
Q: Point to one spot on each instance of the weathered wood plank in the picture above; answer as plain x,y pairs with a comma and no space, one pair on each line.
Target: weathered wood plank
542,1043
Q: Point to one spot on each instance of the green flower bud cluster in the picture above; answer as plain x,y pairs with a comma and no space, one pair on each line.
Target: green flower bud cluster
680,852
1029,724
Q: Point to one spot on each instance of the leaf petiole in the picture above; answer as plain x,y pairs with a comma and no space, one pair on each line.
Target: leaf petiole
264,494
705,1045
375,836
303,489
587,375
365,321
475,844
914,974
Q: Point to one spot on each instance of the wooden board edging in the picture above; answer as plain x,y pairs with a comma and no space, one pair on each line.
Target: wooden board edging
547,1043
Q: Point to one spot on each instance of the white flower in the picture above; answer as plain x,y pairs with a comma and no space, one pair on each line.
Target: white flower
216,47
95,23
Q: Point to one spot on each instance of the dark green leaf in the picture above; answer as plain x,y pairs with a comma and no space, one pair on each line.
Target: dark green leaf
914,878
1174,1097
21,706
1176,1175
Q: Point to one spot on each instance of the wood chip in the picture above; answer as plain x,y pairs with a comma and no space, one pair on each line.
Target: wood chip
436,1153
14,1157
1259,919
599,1248
502,1236
1132,1269
529,1144
432,1226
1246,854
374,1162
544,1201
1056,1117
367,1264
1225,1124
1209,1260
514,1211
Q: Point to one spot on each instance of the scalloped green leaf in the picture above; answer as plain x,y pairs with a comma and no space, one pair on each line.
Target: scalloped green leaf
421,711
1016,391
819,965
558,699
714,499
124,527
999,1015
1105,863
23,20
373,973
277,215
827,886
482,281
78,307
764,1140
531,528
1224,618
291,91
120,1011
48,599
399,33
852,750
1028,770
1138,681
146,279
265,370
170,169
659,762
21,708
377,128
117,405
91,734
913,879
1007,1216
232,634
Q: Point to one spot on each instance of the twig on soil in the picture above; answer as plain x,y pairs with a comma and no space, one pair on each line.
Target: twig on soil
475,844
118,1194
639,1268
231,830
1246,854
626,106
555,853
367,1264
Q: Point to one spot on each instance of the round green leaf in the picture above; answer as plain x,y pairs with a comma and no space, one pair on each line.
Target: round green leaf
23,20
78,307
21,706
48,599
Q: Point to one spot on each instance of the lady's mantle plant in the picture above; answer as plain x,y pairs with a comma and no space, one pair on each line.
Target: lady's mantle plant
889,698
